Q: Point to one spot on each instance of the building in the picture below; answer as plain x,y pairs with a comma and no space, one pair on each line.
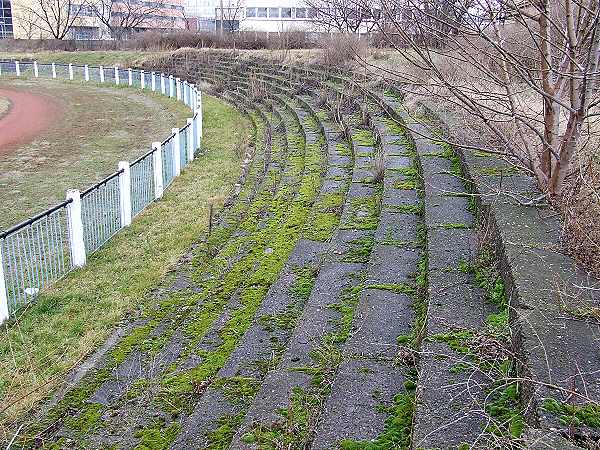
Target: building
97,19
251,15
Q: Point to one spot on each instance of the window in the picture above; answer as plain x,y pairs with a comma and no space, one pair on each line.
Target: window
6,25
300,13
84,33
286,13
250,12
274,12
261,12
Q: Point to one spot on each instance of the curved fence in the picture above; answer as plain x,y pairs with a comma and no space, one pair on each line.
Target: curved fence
47,246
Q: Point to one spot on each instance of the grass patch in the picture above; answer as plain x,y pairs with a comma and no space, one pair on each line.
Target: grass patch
77,314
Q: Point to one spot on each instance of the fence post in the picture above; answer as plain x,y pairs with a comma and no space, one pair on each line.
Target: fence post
158,175
193,98
75,227
162,83
190,140
200,117
125,193
130,77
116,75
53,70
171,93
176,147
17,68
142,79
70,71
101,74
86,72
153,81
3,291
178,88
36,72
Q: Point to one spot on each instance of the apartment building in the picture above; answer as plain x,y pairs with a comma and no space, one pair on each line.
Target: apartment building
251,15
104,19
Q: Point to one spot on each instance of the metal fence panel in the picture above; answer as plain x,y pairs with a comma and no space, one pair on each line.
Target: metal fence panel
101,213
168,165
34,256
142,184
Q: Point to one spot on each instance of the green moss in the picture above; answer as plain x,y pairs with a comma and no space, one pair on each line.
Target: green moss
418,209
503,407
220,438
359,250
88,419
454,226
457,340
137,388
398,426
363,137
576,415
397,288
304,282
405,185
364,212
284,321
343,149
322,226
157,436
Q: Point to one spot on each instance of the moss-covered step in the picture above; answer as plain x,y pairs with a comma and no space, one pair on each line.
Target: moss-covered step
372,396
454,379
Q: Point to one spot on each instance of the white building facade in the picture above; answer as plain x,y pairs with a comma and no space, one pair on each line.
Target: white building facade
252,15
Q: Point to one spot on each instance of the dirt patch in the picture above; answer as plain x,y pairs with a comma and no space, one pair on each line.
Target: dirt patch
27,116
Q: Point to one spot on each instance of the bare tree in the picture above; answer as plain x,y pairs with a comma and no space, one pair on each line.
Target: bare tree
51,17
526,70
123,17
229,13
348,16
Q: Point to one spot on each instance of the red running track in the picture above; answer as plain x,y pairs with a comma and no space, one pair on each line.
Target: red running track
29,115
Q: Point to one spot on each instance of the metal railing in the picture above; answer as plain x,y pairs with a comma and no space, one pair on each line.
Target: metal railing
44,248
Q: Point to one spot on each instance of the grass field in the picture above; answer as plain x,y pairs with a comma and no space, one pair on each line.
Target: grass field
78,313
100,126
122,58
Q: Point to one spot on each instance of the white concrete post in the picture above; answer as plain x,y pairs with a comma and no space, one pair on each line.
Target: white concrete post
171,90
101,74
17,68
190,139
53,70
193,99
116,75
142,79
198,131
178,88
162,83
75,227
153,81
70,71
3,291
36,72
86,72
199,116
130,77
125,193
176,147
158,175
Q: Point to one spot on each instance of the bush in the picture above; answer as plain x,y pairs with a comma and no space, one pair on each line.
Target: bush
342,50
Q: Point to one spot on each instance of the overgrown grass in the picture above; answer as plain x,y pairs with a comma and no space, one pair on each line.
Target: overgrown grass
122,58
77,314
